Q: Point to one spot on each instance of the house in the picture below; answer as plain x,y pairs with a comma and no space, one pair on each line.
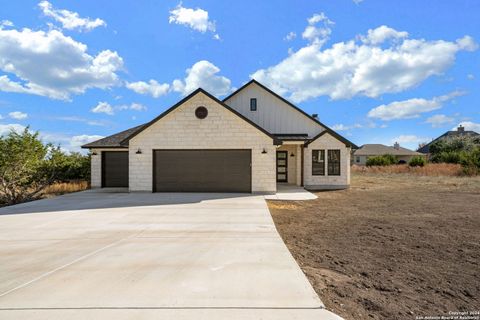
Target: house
248,142
403,155
460,132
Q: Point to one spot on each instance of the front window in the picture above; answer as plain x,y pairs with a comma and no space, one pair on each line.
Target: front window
333,162
358,159
318,162
253,104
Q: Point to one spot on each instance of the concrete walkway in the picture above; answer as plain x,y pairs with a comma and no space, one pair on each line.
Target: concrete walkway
95,255
291,192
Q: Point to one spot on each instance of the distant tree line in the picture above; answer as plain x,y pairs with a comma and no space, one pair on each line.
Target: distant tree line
28,166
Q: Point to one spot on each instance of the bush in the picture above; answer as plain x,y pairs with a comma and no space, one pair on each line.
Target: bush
459,150
383,160
417,161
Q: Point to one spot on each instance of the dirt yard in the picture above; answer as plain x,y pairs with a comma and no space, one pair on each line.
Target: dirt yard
391,247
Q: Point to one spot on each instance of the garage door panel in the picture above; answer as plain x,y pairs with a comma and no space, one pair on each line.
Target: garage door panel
202,170
114,169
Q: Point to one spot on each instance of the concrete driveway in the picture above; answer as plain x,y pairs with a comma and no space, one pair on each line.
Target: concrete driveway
149,256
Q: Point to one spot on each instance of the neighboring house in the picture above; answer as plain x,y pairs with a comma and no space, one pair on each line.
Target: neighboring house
366,151
460,132
248,142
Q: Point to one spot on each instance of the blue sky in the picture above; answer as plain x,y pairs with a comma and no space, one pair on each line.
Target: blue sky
376,71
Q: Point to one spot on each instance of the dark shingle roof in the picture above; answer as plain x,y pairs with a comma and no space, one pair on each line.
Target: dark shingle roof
114,140
448,135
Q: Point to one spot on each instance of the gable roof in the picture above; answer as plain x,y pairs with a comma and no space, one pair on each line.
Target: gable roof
114,140
447,135
380,149
175,106
327,129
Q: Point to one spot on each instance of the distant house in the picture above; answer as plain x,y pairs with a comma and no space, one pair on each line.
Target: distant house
403,155
460,132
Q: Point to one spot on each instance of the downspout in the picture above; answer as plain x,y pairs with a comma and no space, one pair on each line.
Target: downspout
303,164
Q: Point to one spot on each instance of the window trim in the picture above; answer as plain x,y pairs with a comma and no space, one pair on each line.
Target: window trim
334,162
320,151
253,106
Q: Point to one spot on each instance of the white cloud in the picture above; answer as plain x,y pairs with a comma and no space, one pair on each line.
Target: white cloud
1,117
470,76
152,88
355,68
357,1
53,65
203,74
381,34
469,126
7,128
439,120
17,115
70,20
196,19
6,23
290,36
411,108
318,34
409,141
133,106
79,119
103,107
76,142
342,127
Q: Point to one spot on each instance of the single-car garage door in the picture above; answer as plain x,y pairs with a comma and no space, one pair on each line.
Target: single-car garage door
114,169
202,171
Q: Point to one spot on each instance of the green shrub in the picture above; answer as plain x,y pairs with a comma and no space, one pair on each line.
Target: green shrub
417,161
383,160
459,150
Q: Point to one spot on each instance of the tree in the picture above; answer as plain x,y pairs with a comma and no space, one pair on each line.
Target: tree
27,166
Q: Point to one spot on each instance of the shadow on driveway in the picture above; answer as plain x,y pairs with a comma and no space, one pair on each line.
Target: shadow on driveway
93,199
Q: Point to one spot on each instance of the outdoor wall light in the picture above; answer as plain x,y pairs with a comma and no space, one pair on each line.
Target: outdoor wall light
264,151
292,155
139,151
94,153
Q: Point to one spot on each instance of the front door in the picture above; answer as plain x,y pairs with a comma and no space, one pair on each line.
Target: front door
282,166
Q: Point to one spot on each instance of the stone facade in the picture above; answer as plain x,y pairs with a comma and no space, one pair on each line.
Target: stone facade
327,142
221,129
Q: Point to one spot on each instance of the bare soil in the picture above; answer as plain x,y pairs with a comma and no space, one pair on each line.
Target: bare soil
392,246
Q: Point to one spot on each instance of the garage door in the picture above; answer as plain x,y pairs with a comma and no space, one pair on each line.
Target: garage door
202,171
114,169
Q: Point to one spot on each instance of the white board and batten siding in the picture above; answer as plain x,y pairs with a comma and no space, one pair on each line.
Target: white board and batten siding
273,114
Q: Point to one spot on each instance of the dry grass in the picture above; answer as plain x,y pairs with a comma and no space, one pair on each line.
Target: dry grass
430,169
65,187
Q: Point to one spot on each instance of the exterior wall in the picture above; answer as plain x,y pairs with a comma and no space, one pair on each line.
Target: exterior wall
327,142
362,162
96,166
291,162
221,129
273,114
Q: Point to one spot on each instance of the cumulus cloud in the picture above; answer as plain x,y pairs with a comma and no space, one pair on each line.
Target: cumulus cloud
70,20
69,143
203,74
290,36
17,115
6,23
196,19
381,34
411,108
76,142
105,107
469,126
7,128
439,120
152,88
366,66
318,29
53,65
410,140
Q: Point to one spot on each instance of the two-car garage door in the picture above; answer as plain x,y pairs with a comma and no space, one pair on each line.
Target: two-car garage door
202,171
